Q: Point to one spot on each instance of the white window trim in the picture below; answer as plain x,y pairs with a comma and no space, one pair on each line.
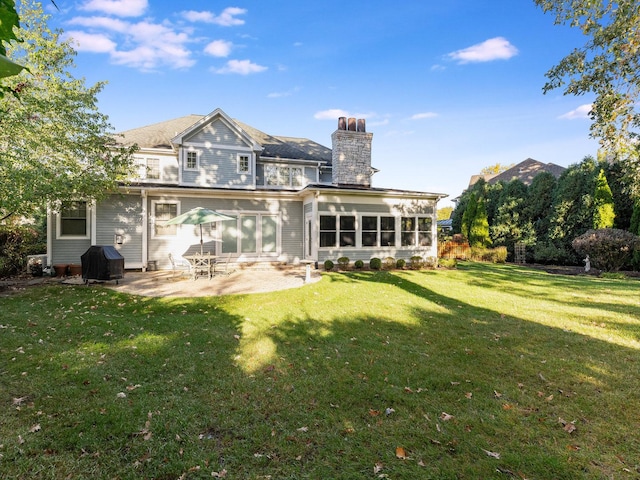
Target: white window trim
152,217
186,155
239,157
87,234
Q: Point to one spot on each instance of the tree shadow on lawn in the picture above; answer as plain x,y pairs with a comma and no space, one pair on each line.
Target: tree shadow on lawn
306,394
580,291
524,379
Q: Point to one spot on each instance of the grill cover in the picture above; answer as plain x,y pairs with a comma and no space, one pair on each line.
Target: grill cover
102,262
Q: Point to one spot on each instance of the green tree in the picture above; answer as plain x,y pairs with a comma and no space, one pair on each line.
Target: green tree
479,228
606,66
511,226
495,169
603,214
444,213
572,209
56,145
8,21
469,214
538,204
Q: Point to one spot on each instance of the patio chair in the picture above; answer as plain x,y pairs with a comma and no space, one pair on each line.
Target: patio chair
224,266
179,265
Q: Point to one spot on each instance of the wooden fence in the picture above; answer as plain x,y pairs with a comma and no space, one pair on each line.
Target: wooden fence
458,250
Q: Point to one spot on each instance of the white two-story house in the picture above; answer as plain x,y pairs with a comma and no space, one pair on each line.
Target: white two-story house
291,199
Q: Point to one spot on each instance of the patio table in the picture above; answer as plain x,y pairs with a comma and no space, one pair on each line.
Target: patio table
201,264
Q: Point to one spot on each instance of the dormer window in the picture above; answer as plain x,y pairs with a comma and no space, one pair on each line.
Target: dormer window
244,166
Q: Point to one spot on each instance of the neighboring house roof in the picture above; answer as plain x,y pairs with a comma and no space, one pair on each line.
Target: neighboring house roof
475,178
526,171
159,135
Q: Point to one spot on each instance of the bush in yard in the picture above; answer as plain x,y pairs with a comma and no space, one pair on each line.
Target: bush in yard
359,264
375,264
16,242
609,249
343,262
389,263
401,263
328,265
416,262
431,262
448,263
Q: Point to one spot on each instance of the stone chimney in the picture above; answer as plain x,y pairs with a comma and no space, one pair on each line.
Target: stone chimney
351,153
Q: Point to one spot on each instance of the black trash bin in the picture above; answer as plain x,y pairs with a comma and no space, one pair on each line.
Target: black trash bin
102,262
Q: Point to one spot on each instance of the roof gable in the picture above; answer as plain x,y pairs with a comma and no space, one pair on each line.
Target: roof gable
526,171
171,132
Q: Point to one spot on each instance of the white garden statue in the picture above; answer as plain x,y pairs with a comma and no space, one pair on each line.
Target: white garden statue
587,264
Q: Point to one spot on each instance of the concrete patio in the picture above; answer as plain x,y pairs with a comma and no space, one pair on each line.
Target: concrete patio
165,283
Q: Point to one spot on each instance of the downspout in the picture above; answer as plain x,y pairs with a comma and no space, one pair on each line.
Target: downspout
49,236
145,230
94,221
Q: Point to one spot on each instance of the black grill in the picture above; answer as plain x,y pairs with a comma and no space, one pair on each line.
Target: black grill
102,262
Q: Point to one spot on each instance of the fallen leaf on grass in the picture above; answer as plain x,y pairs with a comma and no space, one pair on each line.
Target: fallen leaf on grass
497,394
389,411
468,395
568,427
400,453
374,413
491,454
575,448
444,416
377,468
303,429
221,474
35,428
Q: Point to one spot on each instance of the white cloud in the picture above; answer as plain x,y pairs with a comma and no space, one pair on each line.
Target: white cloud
90,42
149,45
226,19
581,112
423,115
331,114
497,48
102,22
120,8
240,67
218,48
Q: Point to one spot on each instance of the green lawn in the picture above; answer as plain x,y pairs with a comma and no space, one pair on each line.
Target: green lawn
482,372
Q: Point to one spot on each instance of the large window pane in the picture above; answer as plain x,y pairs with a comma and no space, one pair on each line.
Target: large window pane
387,231
408,233
229,236
248,234
424,232
347,231
269,234
73,219
328,234
369,231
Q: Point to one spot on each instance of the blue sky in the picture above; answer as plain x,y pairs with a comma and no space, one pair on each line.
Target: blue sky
446,88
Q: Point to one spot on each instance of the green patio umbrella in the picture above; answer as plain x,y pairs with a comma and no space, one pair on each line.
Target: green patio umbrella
198,216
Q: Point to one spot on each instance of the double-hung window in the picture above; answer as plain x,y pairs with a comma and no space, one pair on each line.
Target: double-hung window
337,231
378,231
153,169
416,231
163,212
73,219
191,162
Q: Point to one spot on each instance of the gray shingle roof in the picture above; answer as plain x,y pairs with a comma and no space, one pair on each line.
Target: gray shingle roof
526,171
159,135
